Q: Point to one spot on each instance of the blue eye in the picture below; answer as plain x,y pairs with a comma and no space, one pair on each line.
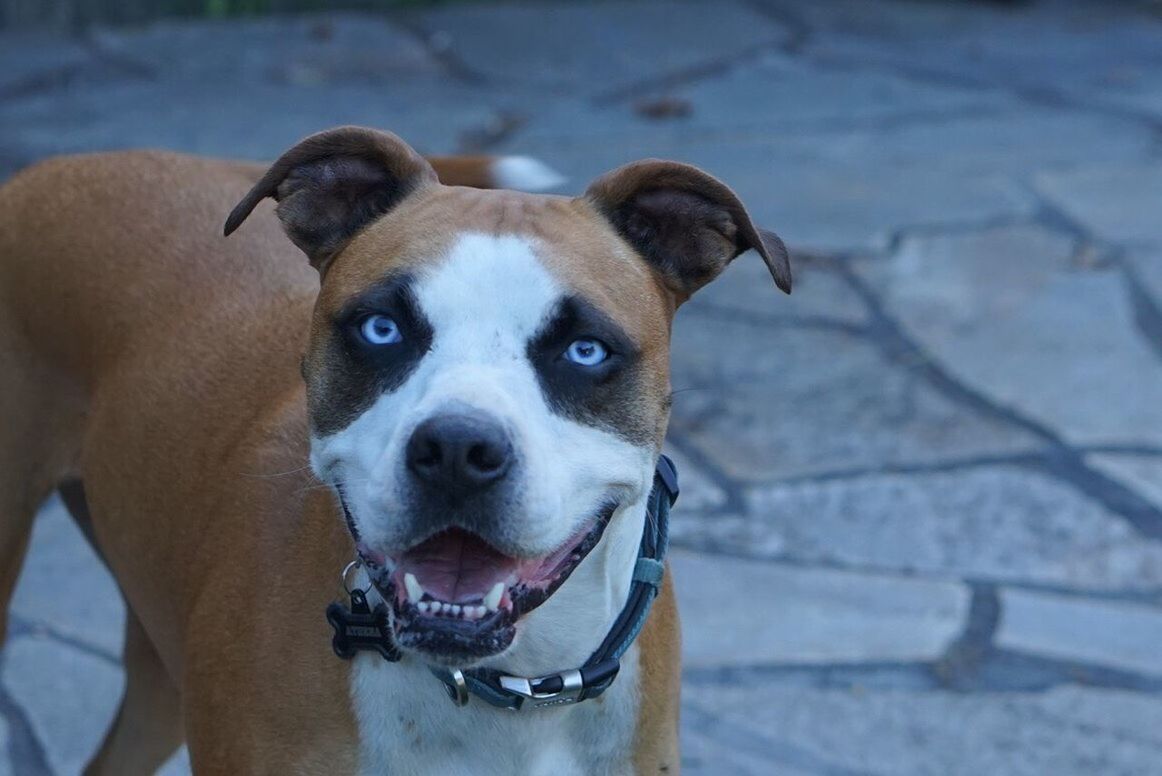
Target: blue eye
379,330
587,352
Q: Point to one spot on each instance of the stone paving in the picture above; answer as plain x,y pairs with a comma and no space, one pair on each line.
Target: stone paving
921,530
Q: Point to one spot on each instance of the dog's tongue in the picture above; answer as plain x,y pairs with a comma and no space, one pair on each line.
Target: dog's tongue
455,566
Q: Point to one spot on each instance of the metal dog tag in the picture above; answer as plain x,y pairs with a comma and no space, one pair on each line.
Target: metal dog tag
361,629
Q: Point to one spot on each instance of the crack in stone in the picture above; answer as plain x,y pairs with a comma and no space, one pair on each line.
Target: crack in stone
1060,459
25,750
20,626
1031,94
770,750
749,318
1002,671
682,76
1147,313
958,667
439,47
732,490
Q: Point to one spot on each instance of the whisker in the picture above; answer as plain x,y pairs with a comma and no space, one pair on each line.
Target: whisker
272,475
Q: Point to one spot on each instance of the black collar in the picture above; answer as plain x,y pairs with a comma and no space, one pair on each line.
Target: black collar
360,628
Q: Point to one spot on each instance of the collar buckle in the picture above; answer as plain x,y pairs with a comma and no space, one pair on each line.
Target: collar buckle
551,690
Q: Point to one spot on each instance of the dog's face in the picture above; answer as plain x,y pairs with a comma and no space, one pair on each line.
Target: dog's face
487,376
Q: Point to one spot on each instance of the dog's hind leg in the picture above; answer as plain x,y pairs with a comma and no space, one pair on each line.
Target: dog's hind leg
39,433
148,728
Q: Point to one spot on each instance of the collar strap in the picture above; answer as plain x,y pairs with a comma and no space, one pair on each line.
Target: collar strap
599,671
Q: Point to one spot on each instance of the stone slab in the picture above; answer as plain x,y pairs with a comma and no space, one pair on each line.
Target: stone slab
769,403
746,287
567,45
7,767
770,90
1112,634
988,522
1140,473
1024,48
836,190
307,50
65,588
748,613
1116,202
1066,731
69,697
1000,309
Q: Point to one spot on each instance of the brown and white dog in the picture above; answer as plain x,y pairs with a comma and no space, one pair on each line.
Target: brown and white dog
486,388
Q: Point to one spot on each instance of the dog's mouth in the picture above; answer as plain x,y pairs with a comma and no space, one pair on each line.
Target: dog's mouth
457,599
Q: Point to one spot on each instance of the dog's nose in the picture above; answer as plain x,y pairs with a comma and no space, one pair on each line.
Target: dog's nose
459,453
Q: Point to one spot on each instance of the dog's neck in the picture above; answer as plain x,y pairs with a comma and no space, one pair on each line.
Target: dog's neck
558,635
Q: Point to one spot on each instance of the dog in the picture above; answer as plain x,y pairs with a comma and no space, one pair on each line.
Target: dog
463,390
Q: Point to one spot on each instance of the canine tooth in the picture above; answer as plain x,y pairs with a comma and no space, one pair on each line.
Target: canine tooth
414,588
492,600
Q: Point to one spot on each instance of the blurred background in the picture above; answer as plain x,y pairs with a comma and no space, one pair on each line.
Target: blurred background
921,522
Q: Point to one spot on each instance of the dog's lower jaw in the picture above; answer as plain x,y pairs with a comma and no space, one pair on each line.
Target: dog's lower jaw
394,702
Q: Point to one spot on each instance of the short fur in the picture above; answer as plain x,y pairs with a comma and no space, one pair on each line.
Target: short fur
152,371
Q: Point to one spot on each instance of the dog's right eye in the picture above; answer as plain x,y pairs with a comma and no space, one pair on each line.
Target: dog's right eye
379,329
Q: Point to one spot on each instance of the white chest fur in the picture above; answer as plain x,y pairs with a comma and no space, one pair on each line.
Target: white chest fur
408,726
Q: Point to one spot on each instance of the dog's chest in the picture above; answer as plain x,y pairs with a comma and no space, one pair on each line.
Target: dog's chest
408,726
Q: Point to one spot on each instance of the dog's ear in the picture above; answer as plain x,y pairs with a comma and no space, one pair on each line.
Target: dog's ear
334,183
686,223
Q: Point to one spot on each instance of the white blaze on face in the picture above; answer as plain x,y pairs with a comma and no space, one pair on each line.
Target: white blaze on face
485,301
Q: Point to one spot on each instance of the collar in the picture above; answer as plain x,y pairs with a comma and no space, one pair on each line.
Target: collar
563,687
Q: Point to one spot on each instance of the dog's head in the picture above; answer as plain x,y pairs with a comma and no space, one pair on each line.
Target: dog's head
488,371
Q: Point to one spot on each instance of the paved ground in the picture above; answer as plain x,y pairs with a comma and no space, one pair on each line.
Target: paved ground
922,529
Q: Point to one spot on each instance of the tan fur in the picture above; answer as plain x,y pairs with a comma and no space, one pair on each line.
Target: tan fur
159,362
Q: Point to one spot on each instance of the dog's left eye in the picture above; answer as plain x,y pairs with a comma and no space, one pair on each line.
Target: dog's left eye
587,352
379,330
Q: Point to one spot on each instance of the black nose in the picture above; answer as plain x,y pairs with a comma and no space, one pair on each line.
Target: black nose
460,454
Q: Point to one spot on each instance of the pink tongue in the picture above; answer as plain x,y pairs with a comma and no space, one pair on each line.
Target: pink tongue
457,566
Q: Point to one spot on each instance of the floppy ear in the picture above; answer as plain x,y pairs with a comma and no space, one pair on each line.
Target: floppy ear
687,224
334,183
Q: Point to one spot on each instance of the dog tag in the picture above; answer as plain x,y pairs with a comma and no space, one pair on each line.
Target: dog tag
361,629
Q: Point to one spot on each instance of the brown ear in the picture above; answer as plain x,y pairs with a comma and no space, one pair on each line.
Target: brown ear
687,224
334,183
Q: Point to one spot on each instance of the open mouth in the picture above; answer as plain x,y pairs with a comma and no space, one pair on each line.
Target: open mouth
457,598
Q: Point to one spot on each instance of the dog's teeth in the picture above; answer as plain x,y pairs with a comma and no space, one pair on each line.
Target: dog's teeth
447,608
423,607
414,589
456,610
480,612
492,600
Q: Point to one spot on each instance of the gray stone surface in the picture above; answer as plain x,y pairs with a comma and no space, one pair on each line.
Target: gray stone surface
977,180
567,46
67,591
7,767
964,295
1105,633
746,287
1140,473
69,697
1118,203
993,522
748,613
1068,730
791,402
